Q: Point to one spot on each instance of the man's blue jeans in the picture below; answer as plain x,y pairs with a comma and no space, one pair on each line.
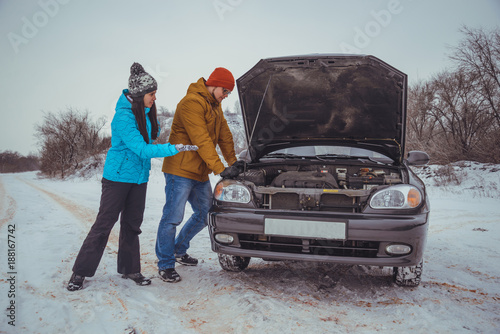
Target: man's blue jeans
178,191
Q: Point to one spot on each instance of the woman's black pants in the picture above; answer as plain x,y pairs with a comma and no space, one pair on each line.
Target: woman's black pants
128,201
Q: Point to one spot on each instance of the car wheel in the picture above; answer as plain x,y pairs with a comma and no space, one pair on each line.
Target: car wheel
233,263
408,276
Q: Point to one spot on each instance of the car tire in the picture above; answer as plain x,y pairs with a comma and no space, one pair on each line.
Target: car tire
233,263
408,276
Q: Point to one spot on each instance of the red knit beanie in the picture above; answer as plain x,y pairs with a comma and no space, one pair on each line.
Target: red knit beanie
221,77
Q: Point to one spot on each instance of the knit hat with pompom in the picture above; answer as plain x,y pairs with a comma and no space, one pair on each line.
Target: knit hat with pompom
140,82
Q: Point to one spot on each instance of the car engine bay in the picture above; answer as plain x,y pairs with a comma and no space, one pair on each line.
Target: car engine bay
320,187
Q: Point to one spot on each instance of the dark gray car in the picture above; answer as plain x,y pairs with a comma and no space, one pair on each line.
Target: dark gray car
325,177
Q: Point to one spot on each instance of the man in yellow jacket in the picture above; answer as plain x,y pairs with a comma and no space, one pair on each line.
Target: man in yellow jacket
199,121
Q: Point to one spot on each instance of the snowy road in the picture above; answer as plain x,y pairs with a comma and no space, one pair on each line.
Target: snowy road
459,293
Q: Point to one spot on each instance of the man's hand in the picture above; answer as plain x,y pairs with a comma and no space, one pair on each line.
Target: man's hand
240,164
230,172
183,148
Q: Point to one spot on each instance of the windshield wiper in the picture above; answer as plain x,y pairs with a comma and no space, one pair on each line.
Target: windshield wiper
371,159
345,156
334,156
281,155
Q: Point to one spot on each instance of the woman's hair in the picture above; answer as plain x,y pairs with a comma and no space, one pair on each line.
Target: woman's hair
140,117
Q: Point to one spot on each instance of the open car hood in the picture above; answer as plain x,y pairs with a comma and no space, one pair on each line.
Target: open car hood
330,99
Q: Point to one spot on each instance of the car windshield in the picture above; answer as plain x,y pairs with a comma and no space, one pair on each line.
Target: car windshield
329,152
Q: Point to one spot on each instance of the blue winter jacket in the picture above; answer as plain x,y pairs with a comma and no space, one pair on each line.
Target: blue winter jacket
129,158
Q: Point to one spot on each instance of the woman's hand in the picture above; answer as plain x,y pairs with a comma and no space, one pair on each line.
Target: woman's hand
182,147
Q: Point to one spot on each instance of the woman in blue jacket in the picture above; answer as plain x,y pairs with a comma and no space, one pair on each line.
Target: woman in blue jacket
126,173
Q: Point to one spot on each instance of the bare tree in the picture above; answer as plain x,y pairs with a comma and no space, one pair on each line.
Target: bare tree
67,139
479,54
13,162
461,114
164,112
235,123
456,115
165,118
421,125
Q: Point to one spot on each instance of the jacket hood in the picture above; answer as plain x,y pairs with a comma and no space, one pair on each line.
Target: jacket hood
200,88
331,99
125,101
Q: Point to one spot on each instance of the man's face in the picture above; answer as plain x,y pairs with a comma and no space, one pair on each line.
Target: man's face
221,93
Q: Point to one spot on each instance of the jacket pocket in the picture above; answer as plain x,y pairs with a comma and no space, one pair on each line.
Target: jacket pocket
122,163
192,162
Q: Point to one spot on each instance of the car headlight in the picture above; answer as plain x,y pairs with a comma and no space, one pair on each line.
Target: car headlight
401,196
232,191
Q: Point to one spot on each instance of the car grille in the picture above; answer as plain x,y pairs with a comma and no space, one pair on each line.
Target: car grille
347,248
326,202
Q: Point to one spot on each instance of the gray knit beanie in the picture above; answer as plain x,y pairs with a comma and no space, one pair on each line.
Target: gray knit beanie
140,82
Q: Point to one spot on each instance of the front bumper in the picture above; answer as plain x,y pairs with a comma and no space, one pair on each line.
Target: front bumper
365,242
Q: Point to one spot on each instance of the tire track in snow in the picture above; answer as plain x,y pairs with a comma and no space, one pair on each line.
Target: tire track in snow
82,213
116,301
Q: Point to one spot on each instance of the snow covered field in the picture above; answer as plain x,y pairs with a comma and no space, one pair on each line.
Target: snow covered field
459,293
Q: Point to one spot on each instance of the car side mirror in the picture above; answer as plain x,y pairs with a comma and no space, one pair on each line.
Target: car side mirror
418,158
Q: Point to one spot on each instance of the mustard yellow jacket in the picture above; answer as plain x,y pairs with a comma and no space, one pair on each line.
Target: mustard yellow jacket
199,120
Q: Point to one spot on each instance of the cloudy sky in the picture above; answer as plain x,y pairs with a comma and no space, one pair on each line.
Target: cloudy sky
57,54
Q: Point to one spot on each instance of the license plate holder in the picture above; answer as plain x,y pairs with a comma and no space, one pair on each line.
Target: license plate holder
306,228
